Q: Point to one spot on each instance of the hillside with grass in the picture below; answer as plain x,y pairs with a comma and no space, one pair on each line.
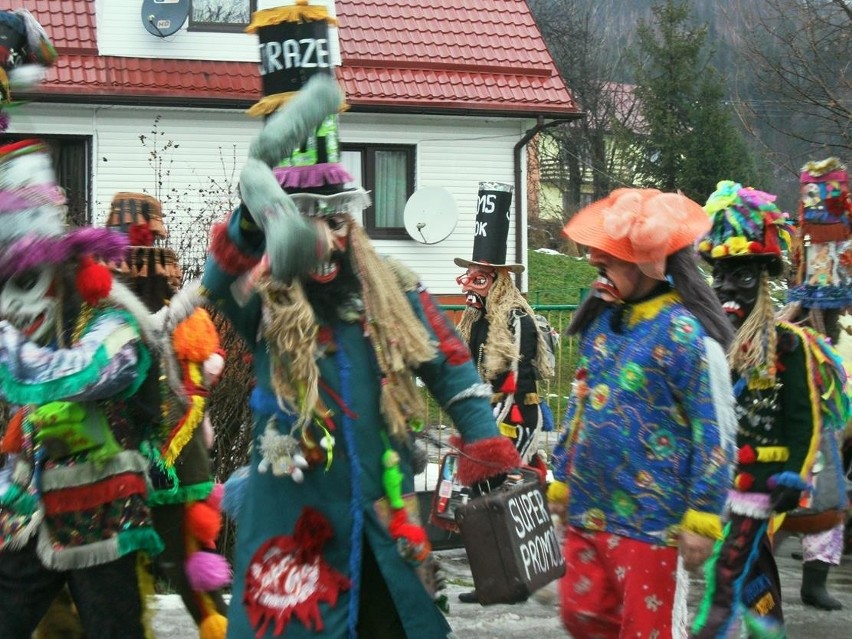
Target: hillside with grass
558,279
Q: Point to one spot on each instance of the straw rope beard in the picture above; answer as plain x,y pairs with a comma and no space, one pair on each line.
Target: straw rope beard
755,341
399,340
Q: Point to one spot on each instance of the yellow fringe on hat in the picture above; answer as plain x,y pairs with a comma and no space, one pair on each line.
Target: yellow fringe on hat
271,103
299,12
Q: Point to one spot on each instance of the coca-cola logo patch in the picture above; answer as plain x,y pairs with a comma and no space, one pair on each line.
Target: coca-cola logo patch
287,578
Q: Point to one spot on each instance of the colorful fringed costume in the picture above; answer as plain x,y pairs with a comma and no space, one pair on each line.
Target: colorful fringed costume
75,355
645,448
185,500
820,287
344,489
326,545
643,460
778,407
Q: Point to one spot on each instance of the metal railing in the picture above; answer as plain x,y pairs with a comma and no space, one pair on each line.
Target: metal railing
554,391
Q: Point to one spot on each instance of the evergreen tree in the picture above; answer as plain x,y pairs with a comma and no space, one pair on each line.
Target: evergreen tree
689,140
716,148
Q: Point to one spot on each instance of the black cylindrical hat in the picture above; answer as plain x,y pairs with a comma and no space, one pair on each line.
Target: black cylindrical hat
294,46
491,229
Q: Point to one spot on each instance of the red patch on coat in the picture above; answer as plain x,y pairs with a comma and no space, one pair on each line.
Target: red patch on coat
287,577
450,343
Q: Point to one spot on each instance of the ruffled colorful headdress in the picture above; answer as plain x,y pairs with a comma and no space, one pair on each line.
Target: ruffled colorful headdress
822,259
32,223
746,223
642,226
25,53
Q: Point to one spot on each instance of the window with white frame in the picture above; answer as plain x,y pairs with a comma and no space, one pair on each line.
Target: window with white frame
220,15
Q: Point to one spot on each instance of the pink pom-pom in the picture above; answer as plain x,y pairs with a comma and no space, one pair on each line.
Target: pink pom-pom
214,499
207,571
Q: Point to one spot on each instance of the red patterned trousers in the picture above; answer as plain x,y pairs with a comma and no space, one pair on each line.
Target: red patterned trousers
616,587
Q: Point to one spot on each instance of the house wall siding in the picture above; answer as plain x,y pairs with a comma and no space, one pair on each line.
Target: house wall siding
121,33
453,152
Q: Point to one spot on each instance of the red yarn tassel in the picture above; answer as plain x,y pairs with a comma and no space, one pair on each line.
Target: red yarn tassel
511,383
414,535
203,522
515,416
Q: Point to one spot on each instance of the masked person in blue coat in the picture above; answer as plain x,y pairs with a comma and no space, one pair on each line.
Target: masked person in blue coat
328,542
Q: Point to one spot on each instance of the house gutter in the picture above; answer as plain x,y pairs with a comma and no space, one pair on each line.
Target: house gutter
540,125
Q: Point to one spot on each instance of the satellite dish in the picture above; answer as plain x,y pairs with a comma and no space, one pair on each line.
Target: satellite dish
430,215
164,17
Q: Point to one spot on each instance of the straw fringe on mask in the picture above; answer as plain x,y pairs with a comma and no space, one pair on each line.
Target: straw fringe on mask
400,340
500,350
754,344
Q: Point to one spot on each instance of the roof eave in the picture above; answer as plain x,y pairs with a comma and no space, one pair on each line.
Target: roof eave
499,111
154,97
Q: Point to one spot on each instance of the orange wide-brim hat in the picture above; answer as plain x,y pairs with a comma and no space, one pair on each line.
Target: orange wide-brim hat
641,226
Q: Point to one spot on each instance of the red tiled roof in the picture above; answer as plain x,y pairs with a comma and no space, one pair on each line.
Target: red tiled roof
427,55
485,55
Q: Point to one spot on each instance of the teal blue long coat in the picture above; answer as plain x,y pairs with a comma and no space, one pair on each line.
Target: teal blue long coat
345,493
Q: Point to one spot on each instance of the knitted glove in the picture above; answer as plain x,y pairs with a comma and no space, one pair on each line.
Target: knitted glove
783,499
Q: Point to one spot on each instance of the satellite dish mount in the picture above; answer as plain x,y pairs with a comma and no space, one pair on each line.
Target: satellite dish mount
163,18
430,215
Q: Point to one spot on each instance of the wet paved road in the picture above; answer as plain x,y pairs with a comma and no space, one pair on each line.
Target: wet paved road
537,618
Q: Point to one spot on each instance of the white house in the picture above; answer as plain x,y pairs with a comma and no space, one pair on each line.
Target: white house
441,93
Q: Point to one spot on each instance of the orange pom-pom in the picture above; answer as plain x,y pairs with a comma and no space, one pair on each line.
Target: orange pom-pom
195,338
203,522
94,281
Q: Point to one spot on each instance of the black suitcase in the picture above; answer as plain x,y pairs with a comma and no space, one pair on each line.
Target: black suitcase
511,543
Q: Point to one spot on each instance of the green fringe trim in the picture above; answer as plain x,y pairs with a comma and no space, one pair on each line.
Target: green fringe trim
16,392
143,539
181,495
18,500
710,584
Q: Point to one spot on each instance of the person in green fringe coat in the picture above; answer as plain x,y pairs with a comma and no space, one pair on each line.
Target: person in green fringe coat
75,356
